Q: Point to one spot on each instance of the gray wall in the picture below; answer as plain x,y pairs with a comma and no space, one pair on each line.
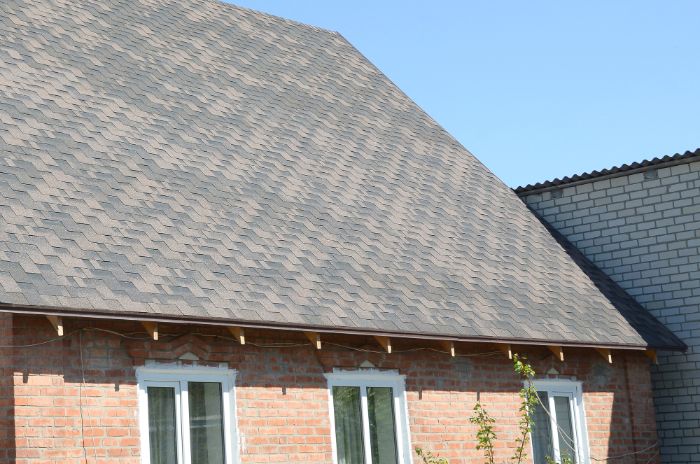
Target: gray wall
643,230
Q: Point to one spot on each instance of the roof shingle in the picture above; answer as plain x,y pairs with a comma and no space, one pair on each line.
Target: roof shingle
193,159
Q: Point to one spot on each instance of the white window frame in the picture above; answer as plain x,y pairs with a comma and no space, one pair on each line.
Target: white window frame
374,378
573,389
178,376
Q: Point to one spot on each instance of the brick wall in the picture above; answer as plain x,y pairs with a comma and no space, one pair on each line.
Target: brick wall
643,230
282,401
7,425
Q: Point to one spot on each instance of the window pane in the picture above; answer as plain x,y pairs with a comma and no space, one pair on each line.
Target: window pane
565,426
348,425
382,430
206,423
542,431
162,431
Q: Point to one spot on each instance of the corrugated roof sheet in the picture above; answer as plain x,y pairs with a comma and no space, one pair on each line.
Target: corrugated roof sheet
688,156
197,160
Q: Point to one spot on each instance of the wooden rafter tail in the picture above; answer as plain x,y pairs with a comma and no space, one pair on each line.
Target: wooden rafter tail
239,333
57,324
558,351
314,338
651,354
449,347
385,342
151,328
606,354
506,349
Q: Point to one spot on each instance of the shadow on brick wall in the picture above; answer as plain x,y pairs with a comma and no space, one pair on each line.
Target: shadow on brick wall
7,420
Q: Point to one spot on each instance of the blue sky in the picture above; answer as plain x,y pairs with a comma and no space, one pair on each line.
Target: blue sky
537,89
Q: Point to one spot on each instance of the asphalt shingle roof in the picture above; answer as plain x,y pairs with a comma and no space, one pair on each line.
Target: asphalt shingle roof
198,160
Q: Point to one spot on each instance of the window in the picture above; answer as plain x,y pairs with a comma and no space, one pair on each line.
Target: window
559,426
186,415
368,417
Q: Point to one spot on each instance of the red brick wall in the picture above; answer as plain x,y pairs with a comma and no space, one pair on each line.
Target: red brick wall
7,425
281,396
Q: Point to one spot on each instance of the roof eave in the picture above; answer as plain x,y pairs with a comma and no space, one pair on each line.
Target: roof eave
223,322
617,171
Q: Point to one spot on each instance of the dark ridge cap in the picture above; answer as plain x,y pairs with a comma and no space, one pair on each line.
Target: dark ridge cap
586,176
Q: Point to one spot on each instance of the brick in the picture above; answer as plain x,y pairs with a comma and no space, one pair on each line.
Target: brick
282,400
655,233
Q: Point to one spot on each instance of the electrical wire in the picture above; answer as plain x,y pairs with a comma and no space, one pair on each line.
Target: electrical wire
80,393
45,342
119,334
572,444
130,336
620,456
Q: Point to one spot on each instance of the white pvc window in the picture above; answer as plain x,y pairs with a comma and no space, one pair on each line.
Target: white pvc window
369,421
186,415
559,425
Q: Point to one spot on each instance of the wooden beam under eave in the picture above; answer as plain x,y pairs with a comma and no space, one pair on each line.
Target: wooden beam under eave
449,347
506,349
558,351
385,342
151,328
57,324
314,338
651,354
239,333
606,354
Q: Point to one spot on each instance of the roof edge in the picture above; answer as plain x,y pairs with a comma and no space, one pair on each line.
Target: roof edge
222,322
616,171
274,17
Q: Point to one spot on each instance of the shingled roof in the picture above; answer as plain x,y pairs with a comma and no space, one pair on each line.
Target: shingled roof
198,161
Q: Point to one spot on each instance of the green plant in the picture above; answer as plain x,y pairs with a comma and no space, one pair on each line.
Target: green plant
566,459
429,458
485,435
528,401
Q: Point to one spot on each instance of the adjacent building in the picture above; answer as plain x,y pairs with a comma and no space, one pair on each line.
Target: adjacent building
640,224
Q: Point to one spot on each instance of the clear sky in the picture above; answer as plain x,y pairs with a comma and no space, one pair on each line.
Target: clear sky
534,89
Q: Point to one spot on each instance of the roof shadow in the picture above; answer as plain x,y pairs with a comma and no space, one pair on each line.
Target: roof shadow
649,328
